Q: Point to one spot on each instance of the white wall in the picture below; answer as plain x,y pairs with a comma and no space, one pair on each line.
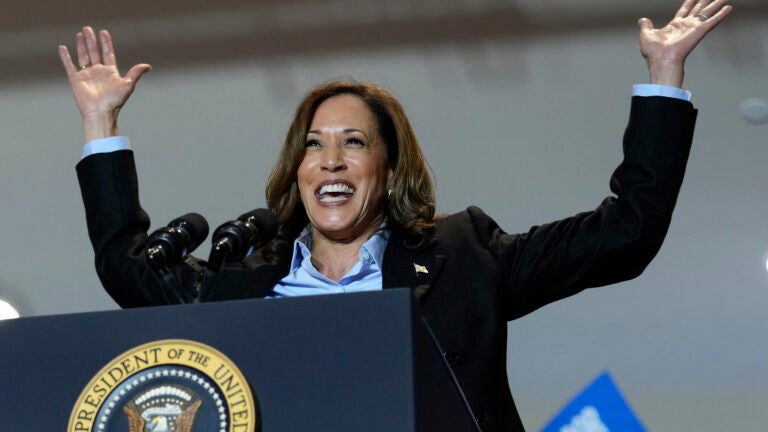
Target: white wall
527,129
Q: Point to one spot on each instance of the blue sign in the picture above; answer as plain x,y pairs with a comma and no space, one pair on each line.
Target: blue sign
598,408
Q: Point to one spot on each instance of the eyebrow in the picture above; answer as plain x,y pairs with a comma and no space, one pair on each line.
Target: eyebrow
346,131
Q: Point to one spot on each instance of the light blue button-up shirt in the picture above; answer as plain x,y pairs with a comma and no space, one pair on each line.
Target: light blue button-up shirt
365,275
305,279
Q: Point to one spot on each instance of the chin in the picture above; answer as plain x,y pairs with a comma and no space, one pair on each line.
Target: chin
334,229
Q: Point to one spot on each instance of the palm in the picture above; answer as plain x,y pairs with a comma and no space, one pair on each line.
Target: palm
674,41
665,49
100,88
96,83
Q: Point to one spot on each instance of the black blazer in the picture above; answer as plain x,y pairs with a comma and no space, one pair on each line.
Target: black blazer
478,277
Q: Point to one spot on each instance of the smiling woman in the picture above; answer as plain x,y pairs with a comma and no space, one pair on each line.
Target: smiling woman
356,210
342,181
349,162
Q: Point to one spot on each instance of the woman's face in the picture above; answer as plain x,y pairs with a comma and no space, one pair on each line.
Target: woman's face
344,174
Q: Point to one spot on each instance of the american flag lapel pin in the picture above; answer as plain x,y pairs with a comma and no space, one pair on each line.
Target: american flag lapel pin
420,269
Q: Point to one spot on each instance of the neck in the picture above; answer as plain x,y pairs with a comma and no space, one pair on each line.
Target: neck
334,258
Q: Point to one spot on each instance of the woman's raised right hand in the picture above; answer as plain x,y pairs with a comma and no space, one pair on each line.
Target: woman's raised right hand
96,84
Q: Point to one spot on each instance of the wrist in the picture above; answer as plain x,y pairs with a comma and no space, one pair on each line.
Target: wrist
99,125
666,72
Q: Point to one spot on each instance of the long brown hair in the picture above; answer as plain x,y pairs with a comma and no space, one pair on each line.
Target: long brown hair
410,210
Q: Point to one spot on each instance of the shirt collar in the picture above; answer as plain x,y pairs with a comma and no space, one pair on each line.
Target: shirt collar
374,246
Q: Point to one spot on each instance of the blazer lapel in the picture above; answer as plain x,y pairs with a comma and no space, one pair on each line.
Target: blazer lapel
415,268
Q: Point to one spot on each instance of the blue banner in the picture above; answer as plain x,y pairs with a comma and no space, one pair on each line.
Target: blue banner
598,408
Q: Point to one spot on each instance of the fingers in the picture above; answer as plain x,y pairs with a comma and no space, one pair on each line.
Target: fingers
90,51
709,9
692,8
685,9
716,12
717,18
107,50
83,59
91,45
66,60
697,8
645,24
137,71
709,13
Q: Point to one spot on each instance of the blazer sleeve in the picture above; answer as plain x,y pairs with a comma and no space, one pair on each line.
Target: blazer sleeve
117,227
618,239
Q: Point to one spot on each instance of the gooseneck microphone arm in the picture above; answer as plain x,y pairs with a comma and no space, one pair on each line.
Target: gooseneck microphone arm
235,240
172,290
169,246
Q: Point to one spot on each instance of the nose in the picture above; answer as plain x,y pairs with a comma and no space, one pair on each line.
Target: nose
333,159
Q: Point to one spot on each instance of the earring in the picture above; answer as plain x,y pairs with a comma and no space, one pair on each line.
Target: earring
389,193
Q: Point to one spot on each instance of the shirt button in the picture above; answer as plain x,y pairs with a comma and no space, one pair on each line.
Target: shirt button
366,257
453,357
484,421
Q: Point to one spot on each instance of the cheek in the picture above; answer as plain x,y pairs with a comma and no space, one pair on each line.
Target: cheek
377,185
384,175
303,180
303,172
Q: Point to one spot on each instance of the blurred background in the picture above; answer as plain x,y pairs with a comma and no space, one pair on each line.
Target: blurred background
520,108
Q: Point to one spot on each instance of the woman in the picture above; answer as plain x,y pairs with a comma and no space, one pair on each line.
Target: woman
356,208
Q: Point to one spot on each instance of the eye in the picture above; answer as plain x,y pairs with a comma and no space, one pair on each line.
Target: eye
352,141
312,143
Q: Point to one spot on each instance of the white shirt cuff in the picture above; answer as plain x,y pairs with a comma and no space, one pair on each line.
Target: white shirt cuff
660,90
106,145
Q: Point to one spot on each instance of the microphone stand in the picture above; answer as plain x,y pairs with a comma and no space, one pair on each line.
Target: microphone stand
232,241
219,251
173,292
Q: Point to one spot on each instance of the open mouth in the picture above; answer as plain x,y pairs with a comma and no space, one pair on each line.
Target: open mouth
334,192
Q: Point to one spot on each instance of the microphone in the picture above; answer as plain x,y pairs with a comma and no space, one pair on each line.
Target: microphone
168,246
235,240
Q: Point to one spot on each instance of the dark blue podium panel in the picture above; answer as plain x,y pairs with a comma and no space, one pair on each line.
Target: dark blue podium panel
349,362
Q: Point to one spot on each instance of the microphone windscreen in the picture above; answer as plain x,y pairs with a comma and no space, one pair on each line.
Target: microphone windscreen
265,221
195,225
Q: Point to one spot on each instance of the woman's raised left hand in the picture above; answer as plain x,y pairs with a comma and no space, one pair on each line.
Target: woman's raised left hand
665,49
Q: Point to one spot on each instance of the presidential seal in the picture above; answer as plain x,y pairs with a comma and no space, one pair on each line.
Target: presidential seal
171,385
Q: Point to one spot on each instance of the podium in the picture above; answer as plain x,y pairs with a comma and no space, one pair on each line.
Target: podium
350,362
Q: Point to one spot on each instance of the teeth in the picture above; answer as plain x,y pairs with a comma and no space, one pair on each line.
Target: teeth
336,188
332,199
